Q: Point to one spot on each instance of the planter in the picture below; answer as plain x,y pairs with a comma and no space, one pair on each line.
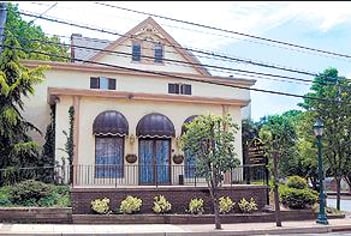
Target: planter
131,158
192,219
178,159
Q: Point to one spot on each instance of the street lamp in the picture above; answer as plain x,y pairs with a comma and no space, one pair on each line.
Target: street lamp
318,132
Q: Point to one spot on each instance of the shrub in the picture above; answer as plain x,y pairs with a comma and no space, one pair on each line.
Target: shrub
161,205
131,205
247,206
101,206
226,204
196,206
5,196
296,182
29,192
298,198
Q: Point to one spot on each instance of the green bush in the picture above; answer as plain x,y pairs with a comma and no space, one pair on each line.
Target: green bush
226,204
296,182
161,205
101,206
29,192
196,206
5,196
247,206
298,198
131,205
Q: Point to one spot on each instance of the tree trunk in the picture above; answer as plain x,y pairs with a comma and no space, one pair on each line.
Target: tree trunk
213,192
338,190
276,190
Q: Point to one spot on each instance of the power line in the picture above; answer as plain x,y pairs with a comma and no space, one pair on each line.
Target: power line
168,75
215,56
44,12
171,45
229,31
190,64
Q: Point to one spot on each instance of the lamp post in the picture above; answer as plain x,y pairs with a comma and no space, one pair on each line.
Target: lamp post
318,132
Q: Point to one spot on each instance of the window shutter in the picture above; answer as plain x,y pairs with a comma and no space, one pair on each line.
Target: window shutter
94,82
112,84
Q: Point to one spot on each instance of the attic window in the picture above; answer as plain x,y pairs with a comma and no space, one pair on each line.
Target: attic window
136,52
158,53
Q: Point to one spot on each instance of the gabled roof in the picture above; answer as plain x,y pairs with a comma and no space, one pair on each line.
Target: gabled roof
188,56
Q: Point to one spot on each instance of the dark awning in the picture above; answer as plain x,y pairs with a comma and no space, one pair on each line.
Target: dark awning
110,123
188,120
155,125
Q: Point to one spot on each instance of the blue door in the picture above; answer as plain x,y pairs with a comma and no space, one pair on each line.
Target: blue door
154,161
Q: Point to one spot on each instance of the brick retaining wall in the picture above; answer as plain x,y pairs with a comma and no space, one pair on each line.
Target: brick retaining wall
59,215
179,197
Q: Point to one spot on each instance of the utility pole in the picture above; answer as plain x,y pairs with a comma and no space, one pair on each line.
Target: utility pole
3,15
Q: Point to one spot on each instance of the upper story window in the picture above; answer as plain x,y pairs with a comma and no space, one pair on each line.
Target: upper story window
158,53
102,83
179,89
136,52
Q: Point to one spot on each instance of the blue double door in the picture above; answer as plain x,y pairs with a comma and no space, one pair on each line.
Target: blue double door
154,161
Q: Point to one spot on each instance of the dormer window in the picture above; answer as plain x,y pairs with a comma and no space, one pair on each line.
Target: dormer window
158,53
136,52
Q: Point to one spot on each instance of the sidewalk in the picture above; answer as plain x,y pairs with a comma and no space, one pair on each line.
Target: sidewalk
289,227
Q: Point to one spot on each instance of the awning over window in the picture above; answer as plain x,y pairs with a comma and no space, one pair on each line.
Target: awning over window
110,123
155,125
188,120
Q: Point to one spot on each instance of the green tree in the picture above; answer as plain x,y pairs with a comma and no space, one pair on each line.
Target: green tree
31,37
335,113
210,138
16,82
278,136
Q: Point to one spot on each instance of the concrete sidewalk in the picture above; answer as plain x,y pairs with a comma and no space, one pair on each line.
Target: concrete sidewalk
289,227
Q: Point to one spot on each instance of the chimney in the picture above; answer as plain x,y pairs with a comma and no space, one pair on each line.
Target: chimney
73,36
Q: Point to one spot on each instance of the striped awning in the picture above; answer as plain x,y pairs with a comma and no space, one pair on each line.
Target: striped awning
110,123
155,125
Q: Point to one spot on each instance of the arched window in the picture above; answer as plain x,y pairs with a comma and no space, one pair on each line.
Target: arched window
109,128
190,165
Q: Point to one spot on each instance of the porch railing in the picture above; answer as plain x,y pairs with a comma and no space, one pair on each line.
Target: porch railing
158,175
130,175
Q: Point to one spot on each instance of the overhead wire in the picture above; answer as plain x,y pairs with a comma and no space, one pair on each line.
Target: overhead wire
228,31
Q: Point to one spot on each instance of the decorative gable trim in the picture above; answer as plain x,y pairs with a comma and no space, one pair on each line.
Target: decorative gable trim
151,25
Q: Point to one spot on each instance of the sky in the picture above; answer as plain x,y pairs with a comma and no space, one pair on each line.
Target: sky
320,25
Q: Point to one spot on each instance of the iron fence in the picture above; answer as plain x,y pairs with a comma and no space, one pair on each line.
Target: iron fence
130,175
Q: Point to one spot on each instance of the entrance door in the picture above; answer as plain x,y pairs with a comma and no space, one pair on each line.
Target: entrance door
154,161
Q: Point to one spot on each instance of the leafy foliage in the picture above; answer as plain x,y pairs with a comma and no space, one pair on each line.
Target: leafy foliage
161,205
210,139
100,206
296,182
246,206
35,193
226,204
335,113
131,205
16,83
31,37
196,206
296,198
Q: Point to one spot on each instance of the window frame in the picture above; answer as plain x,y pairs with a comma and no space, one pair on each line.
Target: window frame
158,53
95,83
136,56
119,168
